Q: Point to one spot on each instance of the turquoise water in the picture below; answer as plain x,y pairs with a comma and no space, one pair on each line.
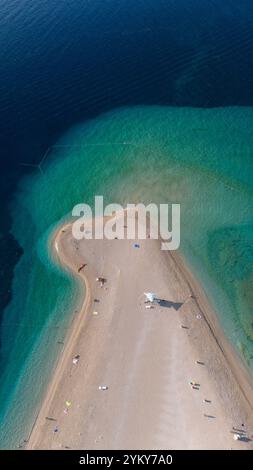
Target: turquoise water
200,158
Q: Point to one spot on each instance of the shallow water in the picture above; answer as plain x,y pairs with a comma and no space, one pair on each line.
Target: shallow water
200,158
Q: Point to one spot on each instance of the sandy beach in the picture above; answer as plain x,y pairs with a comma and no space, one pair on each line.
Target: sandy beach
146,358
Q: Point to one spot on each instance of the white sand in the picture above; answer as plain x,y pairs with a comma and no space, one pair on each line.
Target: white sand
145,358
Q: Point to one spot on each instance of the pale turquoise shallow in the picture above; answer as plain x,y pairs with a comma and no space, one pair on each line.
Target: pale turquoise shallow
199,158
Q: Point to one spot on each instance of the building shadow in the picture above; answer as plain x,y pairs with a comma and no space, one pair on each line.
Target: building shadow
169,304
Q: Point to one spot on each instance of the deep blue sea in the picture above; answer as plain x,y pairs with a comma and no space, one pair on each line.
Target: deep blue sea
175,77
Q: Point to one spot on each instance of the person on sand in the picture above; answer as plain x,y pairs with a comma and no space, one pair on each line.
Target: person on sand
81,267
102,281
76,359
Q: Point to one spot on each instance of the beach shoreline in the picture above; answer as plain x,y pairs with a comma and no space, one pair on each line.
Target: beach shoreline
235,371
242,372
